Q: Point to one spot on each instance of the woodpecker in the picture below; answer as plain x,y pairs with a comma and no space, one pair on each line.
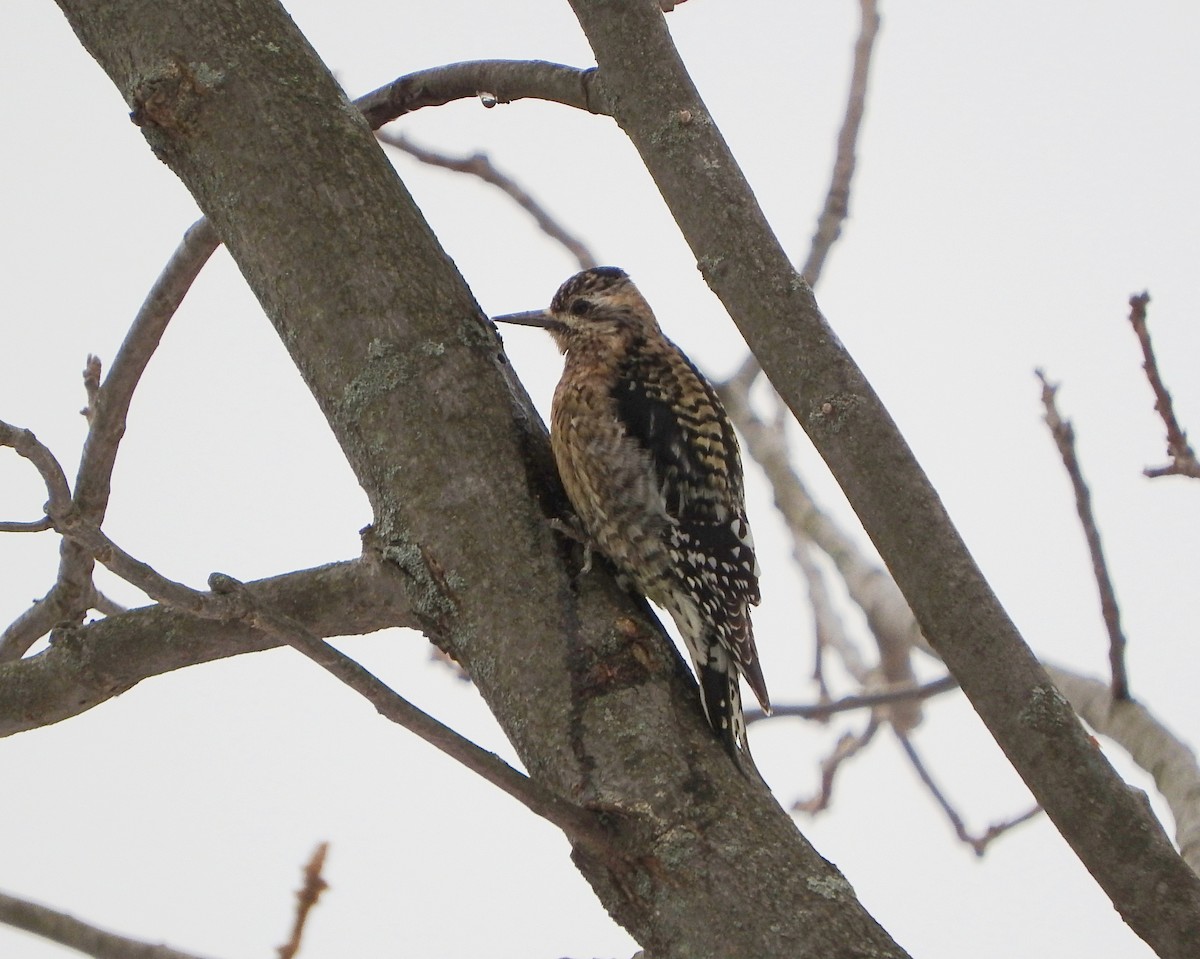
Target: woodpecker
650,463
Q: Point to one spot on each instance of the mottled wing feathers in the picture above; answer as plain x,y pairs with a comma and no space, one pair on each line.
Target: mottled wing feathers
675,416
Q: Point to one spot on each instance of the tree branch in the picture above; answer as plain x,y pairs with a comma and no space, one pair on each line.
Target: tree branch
76,934
1150,744
230,600
1183,457
478,165
978,843
108,404
848,746
578,825
884,697
658,107
306,899
90,664
1064,438
837,198
493,81
431,419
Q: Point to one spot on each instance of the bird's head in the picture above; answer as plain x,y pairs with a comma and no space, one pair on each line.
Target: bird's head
591,307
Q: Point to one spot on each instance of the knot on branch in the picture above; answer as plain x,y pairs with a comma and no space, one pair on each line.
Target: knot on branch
170,99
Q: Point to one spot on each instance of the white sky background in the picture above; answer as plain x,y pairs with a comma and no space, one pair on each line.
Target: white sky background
1024,167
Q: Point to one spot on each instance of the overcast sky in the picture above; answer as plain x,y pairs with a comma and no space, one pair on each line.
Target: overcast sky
1024,167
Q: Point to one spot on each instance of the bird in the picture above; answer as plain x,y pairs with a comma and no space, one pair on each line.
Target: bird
650,464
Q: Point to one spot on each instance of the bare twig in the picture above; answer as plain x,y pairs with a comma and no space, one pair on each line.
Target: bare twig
91,385
230,600
33,526
492,81
579,826
1183,457
26,445
837,199
849,745
827,625
73,592
978,843
306,898
76,934
885,697
479,165
1064,438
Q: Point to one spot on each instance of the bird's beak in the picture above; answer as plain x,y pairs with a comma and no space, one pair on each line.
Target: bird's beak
528,318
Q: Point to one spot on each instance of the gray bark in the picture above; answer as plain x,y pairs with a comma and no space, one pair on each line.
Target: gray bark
416,388
1106,823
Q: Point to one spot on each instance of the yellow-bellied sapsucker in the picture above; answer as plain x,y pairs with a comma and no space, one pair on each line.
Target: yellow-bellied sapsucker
650,463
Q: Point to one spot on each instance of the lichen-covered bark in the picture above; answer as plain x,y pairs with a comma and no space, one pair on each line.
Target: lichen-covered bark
416,388
1108,826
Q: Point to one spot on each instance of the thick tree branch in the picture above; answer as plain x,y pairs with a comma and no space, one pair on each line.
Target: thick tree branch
656,104
229,601
454,462
90,664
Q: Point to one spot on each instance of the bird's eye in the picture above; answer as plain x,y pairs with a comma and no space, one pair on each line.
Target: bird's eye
580,307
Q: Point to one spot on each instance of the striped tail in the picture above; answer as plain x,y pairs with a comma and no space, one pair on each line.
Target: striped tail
721,697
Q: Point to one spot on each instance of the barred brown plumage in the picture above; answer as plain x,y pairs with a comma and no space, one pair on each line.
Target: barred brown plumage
650,463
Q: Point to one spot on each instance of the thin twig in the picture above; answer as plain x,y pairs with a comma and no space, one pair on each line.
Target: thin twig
78,935
579,826
1183,457
884,697
978,843
230,599
848,746
1064,437
306,898
479,165
827,625
837,199
28,446
73,592
33,526
91,385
